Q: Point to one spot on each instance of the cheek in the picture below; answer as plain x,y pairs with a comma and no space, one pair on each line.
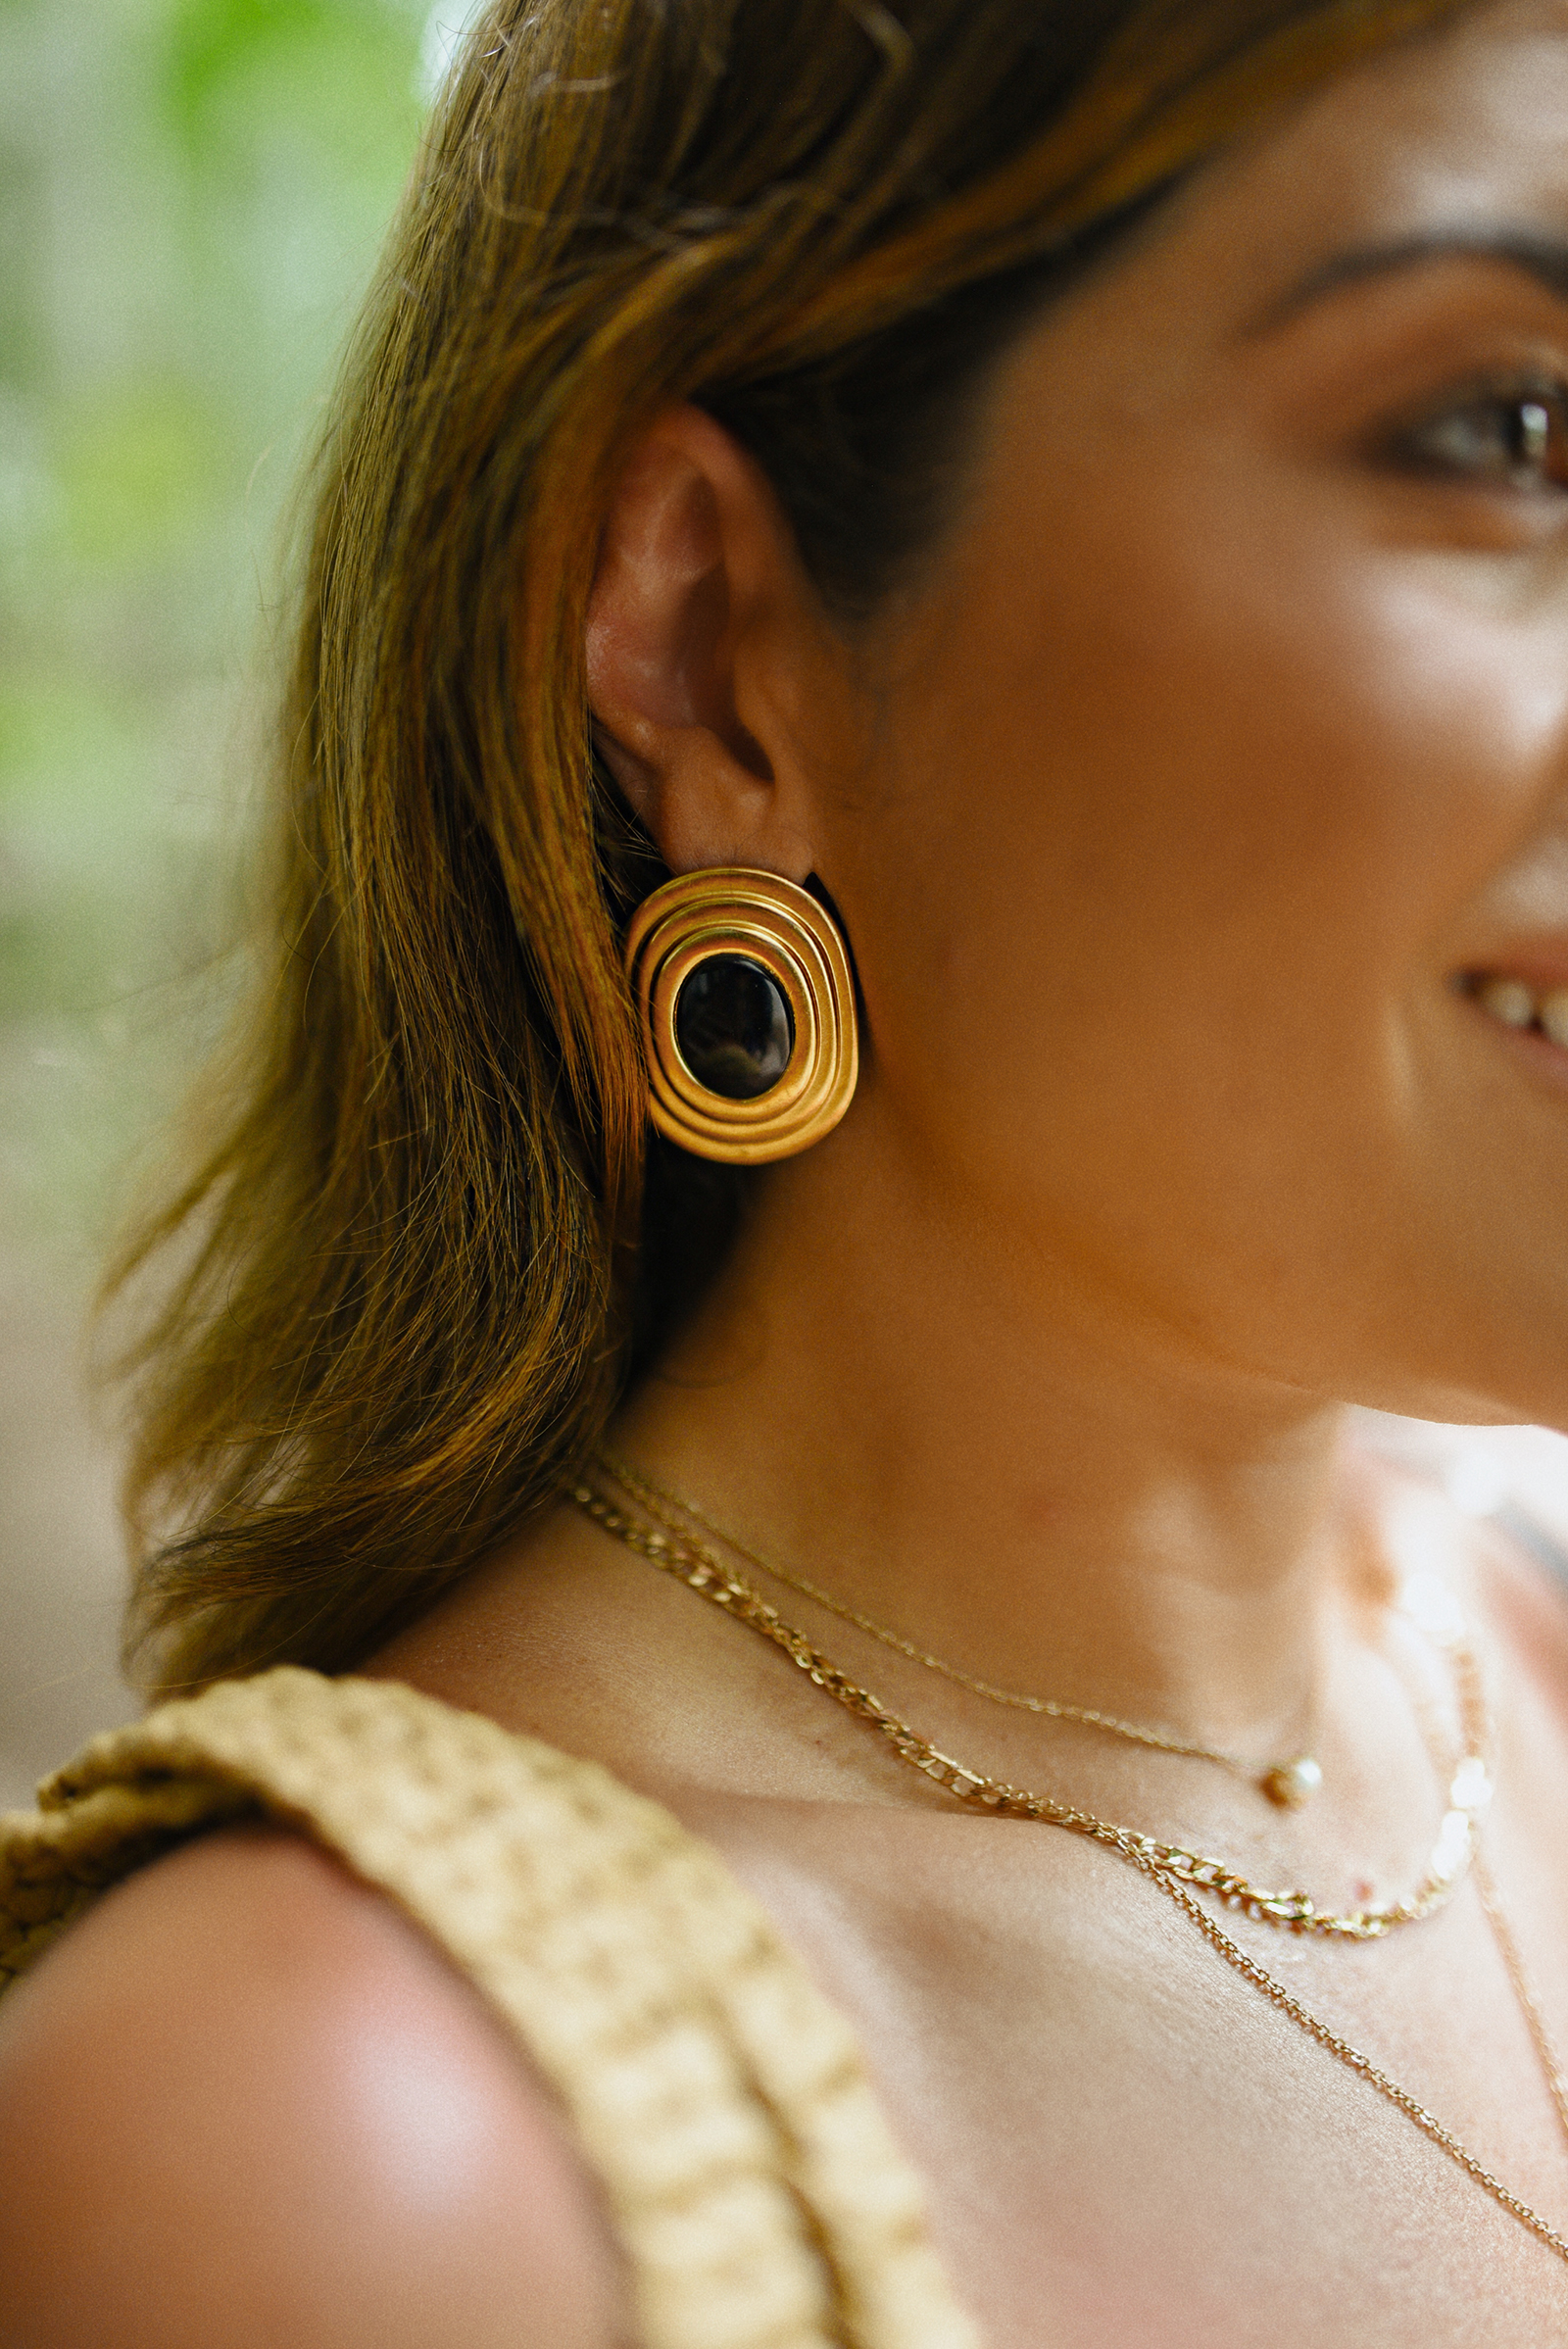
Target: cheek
1199,734
1185,827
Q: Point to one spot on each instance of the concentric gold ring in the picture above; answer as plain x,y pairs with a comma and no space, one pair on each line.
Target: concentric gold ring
732,909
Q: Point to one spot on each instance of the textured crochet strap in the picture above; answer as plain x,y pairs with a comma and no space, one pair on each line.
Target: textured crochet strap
722,2103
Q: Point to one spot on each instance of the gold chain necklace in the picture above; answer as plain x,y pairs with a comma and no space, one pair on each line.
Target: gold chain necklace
1288,1784
693,1564
1294,1911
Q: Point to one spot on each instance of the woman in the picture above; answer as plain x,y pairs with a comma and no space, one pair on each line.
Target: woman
1069,507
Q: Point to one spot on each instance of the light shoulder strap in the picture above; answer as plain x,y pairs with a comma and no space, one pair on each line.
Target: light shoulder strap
720,2100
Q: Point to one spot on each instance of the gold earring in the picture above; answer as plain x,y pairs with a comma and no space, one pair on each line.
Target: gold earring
743,988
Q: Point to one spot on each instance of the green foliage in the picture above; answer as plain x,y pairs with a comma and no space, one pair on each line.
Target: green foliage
334,79
191,196
138,468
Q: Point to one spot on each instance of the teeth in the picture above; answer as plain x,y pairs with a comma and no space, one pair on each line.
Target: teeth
1508,1000
1517,1005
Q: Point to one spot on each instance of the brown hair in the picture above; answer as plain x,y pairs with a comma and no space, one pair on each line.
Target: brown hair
420,1252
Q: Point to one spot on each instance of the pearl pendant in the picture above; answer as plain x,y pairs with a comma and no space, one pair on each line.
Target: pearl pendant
1291,1784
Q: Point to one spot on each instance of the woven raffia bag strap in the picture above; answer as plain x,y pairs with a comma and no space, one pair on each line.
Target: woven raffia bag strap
722,2102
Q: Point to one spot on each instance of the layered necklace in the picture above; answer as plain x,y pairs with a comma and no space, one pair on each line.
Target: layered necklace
1287,1784
1184,1876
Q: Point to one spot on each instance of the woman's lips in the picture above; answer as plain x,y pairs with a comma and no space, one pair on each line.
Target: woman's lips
1523,1003
1527,996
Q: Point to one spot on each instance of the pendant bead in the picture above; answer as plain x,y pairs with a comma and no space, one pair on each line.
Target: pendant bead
1291,1784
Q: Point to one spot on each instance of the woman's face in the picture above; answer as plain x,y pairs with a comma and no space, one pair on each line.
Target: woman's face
1221,775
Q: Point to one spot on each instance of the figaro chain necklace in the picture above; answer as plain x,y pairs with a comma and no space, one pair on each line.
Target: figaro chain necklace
1172,1870
1288,1784
1469,1785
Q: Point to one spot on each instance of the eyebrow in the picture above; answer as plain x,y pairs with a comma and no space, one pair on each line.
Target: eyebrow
1544,258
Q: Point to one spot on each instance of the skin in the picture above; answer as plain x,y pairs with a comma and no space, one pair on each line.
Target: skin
1173,808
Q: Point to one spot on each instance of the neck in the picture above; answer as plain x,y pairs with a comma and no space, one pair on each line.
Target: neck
980,1445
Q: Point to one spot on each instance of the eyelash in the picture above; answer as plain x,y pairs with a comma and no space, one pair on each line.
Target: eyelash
1513,436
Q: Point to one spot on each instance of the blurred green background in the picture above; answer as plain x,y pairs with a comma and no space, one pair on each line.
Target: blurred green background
191,197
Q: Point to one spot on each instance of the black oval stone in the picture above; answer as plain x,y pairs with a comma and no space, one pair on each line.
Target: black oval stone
733,1027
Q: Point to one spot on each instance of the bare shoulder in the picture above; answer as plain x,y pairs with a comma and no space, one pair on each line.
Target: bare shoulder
245,2101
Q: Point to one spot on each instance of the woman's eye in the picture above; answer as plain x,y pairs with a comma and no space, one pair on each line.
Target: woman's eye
1516,439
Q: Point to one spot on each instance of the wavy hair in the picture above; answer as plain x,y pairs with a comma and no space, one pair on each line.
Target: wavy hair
425,1239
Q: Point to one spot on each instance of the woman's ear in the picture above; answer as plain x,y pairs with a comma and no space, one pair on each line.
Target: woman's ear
701,627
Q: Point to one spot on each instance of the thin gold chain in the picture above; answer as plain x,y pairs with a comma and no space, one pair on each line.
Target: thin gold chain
1508,1947
693,1562
1275,1992
694,1565
1502,1931
661,1504
1472,1696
